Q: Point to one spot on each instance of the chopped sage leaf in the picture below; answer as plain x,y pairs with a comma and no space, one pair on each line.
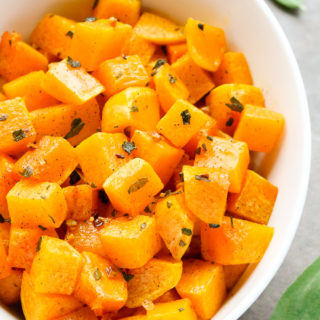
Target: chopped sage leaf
90,19
76,127
97,274
73,63
134,109
203,177
186,231
210,138
3,220
290,4
198,150
52,219
159,63
127,276
172,79
69,34
229,123
235,105
147,209
137,185
201,26
39,244
4,117
42,228
231,221
182,243
186,116
93,185
27,172
128,147
204,147
18,135
214,225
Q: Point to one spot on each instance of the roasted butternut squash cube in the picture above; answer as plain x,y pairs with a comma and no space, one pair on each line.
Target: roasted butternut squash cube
52,160
120,73
130,243
104,37
204,284
74,123
132,187
31,204
84,313
29,88
174,224
101,286
206,192
127,11
169,87
206,44
227,101
107,151
176,51
10,287
18,58
56,267
171,295
53,34
181,122
162,156
159,30
133,108
5,267
16,127
260,128
152,280
232,274
256,199
234,68
230,155
197,80
36,305
243,241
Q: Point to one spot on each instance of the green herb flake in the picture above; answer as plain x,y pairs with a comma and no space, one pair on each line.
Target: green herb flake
69,34
93,185
27,172
18,135
39,245
235,105
290,4
137,185
231,222
97,274
143,226
147,209
229,123
204,147
186,116
128,147
134,109
127,276
52,219
172,79
210,138
95,4
201,26
186,231
198,150
42,228
4,117
202,177
182,243
169,204
90,19
214,225
180,309
119,75
76,127
73,63
3,220
74,177
159,63
181,176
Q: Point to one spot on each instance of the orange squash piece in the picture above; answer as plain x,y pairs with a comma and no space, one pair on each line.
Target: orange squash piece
101,286
139,317
197,80
226,103
243,241
174,224
16,127
256,199
32,204
104,37
84,313
181,122
206,192
5,267
260,128
14,54
36,305
233,273
206,44
132,187
159,30
28,87
162,156
152,280
204,284
120,73
133,108
171,295
232,156
52,160
130,243
234,68
10,287
106,151
74,123
176,51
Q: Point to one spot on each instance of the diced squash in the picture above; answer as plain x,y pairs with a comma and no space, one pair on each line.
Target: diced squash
29,88
197,80
10,287
56,266
139,317
52,160
152,280
96,41
176,51
169,87
74,123
206,192
132,187
234,68
32,204
18,58
5,228
36,306
204,284
16,127
243,241
171,295
232,156
226,103
5,268
181,122
174,224
256,199
153,148
159,30
133,108
101,286
130,243
106,151
84,313
206,44
68,82
127,11
233,273
260,128
120,73
223,135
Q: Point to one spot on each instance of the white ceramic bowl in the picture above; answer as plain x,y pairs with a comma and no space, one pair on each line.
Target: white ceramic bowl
251,28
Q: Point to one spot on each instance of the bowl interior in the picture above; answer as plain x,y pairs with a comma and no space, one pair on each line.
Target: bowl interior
251,28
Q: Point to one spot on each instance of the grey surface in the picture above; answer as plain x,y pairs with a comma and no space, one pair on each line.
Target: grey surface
303,31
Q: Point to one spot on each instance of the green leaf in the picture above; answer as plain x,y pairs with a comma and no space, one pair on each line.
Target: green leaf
73,63
18,135
128,147
290,4
235,105
137,185
302,299
76,127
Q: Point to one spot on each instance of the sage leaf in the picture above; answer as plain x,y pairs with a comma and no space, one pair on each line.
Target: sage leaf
290,4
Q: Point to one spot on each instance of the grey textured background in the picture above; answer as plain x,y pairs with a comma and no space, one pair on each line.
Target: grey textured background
303,30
